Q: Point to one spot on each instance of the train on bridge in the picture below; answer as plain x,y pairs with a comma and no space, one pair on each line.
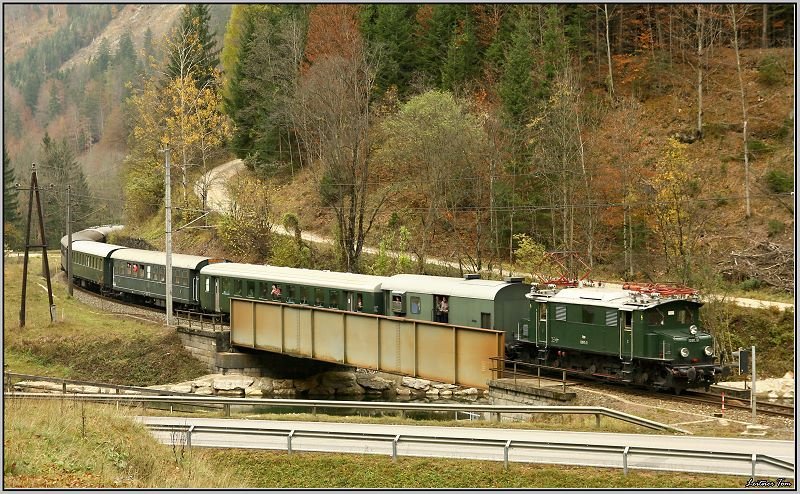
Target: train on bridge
644,335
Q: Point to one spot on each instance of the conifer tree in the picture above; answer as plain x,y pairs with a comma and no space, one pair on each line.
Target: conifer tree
462,56
10,192
516,84
59,167
193,47
388,30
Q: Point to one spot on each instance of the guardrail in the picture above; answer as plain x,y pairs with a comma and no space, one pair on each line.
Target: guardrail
625,452
506,366
494,410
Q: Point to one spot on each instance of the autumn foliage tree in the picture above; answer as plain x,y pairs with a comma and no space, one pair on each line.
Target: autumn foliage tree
437,145
334,107
677,216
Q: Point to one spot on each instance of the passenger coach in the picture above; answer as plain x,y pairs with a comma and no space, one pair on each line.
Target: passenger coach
142,274
344,291
468,301
91,263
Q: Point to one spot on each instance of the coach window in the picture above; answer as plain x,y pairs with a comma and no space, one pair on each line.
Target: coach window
263,290
290,291
226,286
359,302
416,305
318,297
148,272
208,285
251,289
334,299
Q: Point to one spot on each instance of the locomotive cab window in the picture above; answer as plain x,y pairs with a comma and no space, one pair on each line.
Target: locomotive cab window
542,311
684,316
654,318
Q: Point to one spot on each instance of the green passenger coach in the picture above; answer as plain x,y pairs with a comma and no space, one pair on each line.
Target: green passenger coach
468,301
142,274
343,291
91,264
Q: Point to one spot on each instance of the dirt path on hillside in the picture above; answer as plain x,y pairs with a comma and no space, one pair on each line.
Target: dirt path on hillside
218,201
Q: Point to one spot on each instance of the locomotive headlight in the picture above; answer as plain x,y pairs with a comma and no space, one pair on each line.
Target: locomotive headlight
693,329
708,351
684,352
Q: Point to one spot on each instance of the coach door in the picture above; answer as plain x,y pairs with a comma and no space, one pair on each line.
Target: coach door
216,294
626,335
541,325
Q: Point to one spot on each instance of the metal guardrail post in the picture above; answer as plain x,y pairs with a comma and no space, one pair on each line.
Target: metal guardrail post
64,387
597,420
563,381
625,460
539,375
515,373
394,448
505,454
754,461
289,442
189,436
226,410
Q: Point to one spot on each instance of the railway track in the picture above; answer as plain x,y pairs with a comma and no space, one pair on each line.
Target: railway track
148,312
762,407
689,396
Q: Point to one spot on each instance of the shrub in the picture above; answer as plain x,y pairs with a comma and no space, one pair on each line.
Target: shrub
771,71
779,181
750,284
775,227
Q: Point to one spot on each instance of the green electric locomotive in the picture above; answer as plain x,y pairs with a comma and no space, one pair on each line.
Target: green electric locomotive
649,336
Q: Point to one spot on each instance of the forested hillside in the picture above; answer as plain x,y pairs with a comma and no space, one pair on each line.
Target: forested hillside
649,142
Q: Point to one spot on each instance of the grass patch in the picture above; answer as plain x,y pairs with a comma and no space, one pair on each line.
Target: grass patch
74,445
271,469
89,343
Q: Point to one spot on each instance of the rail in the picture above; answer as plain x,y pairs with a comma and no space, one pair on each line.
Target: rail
215,321
623,452
495,411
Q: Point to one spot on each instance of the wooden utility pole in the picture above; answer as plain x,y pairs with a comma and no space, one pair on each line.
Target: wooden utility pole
33,192
69,243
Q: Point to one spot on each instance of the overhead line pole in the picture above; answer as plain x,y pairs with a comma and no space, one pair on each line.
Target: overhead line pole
69,244
168,231
33,194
